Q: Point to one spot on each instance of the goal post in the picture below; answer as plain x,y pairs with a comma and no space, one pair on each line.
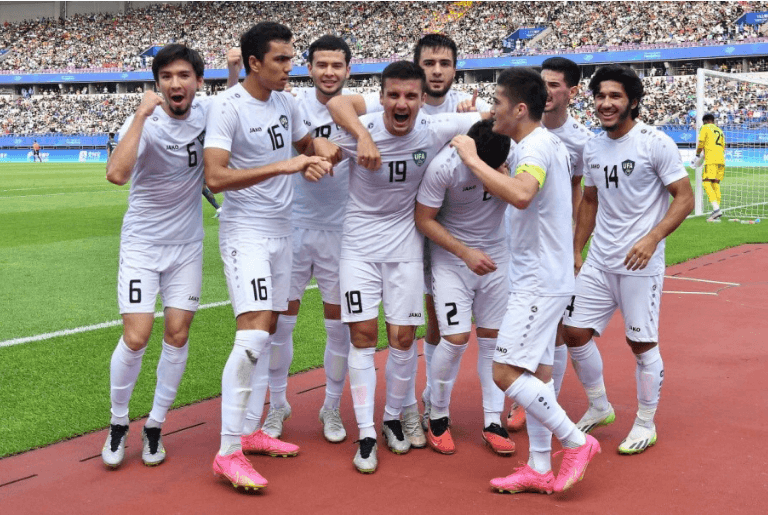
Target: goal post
739,102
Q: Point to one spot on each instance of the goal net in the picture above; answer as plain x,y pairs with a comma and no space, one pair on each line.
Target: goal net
739,103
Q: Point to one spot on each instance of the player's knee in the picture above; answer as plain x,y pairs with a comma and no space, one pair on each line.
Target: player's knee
135,339
640,347
461,339
176,337
575,336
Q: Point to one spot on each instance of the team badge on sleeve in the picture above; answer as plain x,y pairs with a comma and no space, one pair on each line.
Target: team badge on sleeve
419,157
628,166
201,138
284,121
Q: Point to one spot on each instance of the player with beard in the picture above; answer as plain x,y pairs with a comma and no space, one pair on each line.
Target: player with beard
247,157
382,252
161,242
630,171
318,213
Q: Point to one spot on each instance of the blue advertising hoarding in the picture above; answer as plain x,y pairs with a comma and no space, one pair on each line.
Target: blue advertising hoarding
54,156
626,56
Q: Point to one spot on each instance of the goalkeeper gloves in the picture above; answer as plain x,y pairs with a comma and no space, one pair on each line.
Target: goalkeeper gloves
698,161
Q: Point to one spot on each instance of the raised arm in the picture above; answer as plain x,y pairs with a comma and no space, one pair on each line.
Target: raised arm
123,158
234,65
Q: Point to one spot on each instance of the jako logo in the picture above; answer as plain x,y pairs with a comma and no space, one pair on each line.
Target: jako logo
172,147
501,349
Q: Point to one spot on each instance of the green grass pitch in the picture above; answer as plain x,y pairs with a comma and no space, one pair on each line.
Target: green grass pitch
58,270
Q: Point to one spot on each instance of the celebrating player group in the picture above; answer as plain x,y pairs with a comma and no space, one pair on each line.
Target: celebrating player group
417,192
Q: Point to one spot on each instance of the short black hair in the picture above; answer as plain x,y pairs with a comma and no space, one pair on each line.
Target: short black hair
568,68
256,41
329,42
492,148
525,85
624,75
434,41
173,52
111,134
404,70
708,118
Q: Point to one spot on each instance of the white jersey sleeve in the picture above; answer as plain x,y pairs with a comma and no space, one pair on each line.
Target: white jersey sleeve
256,134
631,174
467,211
539,237
574,135
165,201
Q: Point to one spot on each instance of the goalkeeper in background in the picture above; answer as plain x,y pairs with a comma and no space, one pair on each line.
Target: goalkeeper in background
712,142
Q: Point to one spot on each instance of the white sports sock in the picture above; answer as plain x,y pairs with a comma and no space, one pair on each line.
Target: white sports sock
281,355
410,392
259,387
493,397
362,385
429,351
398,373
539,402
445,368
124,368
540,441
337,346
649,374
236,384
170,368
559,366
588,365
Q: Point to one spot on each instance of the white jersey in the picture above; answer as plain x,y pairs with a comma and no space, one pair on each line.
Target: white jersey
470,214
165,199
379,224
574,135
320,205
631,175
451,101
256,134
539,237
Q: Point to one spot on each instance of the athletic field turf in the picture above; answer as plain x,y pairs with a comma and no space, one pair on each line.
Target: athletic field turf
58,309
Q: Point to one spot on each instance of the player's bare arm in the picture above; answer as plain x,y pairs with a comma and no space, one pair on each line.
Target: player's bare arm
123,158
345,110
234,66
576,195
517,190
476,260
585,224
681,206
219,177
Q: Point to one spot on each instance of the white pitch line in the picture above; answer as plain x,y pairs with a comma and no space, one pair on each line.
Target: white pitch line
103,325
691,292
700,280
12,197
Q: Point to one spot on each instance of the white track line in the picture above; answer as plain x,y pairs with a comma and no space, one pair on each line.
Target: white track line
691,292
700,280
103,325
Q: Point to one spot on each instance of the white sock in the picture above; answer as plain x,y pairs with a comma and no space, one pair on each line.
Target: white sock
362,385
588,365
281,355
257,400
398,373
540,442
539,402
559,366
715,206
649,374
429,351
493,397
445,368
337,346
410,392
170,368
124,368
236,385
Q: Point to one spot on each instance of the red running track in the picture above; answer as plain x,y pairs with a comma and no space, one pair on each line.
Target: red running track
709,457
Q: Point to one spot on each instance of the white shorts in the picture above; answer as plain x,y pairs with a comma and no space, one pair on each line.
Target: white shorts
258,271
460,293
175,271
599,293
365,285
527,335
316,253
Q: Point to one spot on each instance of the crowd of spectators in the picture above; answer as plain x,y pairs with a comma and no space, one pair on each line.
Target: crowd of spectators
374,30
